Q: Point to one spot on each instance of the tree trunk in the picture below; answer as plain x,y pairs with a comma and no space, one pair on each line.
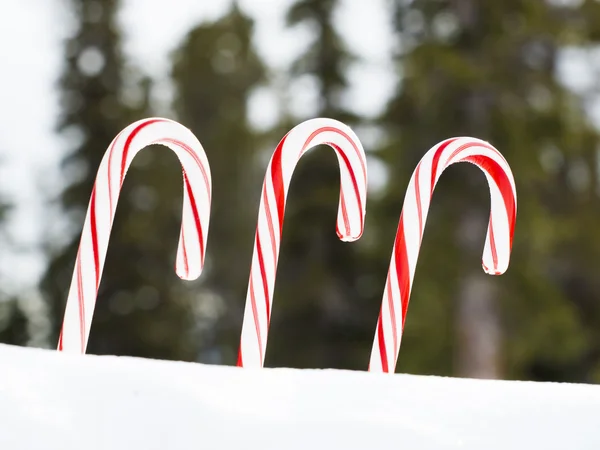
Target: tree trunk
478,327
479,333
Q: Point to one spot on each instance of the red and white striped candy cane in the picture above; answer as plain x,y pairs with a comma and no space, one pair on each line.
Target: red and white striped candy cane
101,212
350,219
498,243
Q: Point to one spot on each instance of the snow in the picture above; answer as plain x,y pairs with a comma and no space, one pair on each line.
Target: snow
57,401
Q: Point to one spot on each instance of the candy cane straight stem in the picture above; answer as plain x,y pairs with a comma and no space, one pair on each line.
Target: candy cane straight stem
498,242
101,212
350,219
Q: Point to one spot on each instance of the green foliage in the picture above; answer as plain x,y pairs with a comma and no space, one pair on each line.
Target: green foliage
327,58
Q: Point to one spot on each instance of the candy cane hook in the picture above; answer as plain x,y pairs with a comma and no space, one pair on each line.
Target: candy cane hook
498,243
101,212
350,219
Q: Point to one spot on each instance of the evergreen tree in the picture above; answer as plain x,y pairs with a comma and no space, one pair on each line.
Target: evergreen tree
488,69
326,59
143,309
215,70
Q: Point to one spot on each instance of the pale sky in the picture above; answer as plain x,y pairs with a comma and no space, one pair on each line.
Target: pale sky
30,50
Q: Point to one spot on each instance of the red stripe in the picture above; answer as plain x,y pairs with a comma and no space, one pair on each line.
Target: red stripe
354,185
279,193
194,206
348,138
129,140
436,160
500,177
60,340
194,155
419,206
493,244
471,144
186,265
403,276
263,276
81,306
267,209
277,175
458,150
278,185
256,320
402,268
381,339
344,214
189,190
240,360
94,232
495,170
388,290
110,155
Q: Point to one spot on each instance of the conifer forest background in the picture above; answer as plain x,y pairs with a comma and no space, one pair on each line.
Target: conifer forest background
504,71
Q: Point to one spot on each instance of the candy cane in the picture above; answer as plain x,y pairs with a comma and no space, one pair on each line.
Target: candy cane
498,243
101,212
350,219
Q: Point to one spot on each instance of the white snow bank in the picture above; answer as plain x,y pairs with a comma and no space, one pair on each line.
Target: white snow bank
58,401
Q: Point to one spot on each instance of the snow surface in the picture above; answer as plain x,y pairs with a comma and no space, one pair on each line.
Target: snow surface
51,400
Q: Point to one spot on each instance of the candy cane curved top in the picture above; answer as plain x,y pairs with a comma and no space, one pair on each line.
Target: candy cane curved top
350,219
101,212
498,242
